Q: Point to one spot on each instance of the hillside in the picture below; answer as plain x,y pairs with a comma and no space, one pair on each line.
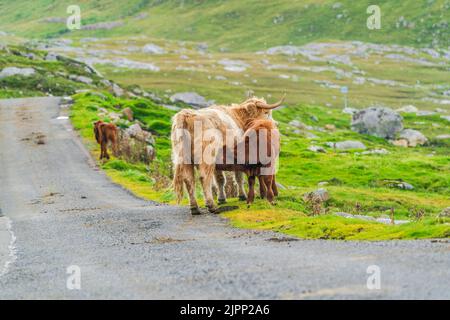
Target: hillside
236,25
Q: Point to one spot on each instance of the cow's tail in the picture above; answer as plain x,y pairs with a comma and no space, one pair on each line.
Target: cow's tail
179,151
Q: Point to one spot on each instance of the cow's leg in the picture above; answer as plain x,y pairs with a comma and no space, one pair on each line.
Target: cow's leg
268,182
262,187
189,182
274,187
239,176
106,150
251,190
206,178
102,150
221,180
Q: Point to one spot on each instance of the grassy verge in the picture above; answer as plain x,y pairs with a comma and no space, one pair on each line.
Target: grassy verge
352,179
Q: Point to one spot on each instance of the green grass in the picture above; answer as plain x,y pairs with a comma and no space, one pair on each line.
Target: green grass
49,78
352,178
239,25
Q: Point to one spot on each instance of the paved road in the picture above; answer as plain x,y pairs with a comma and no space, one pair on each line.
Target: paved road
59,210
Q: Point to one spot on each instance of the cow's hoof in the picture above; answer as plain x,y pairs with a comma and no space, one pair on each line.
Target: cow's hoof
242,198
195,211
212,209
222,201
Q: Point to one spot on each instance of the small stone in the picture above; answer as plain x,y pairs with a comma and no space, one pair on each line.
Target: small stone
316,149
330,127
321,195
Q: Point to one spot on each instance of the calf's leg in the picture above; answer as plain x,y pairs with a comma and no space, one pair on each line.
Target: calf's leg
221,180
206,178
239,176
251,190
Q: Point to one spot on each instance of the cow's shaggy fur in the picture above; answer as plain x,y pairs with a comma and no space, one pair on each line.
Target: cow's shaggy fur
106,133
258,133
220,118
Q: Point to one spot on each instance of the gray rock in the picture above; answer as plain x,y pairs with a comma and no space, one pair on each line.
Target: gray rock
81,79
191,98
346,145
320,195
135,131
445,213
443,136
316,149
234,65
103,25
153,49
445,118
376,151
118,91
377,121
408,109
350,110
13,71
413,137
51,56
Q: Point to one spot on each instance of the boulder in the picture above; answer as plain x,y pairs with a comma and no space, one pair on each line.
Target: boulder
191,98
346,145
445,118
135,131
377,121
13,71
413,137
128,114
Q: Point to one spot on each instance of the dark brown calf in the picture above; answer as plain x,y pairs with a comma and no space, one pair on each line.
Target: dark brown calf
257,133
105,133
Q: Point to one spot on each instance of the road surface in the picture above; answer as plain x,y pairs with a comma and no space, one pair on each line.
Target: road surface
58,211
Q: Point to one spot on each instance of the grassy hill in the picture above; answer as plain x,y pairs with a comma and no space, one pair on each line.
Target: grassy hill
238,25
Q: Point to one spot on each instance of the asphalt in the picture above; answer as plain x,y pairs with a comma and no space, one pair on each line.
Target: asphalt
58,210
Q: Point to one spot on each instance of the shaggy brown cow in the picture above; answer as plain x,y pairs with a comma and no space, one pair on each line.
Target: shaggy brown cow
264,136
105,133
214,124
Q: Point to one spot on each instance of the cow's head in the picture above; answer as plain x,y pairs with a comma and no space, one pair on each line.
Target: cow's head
258,108
97,131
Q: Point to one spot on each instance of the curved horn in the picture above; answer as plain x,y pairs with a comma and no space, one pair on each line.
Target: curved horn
272,106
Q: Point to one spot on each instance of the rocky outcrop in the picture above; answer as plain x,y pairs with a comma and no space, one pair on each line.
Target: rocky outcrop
377,121
191,98
14,71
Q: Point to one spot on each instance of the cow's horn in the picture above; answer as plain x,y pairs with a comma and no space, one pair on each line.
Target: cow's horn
272,106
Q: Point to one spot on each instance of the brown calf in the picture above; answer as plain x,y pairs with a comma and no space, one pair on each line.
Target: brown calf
104,133
263,131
